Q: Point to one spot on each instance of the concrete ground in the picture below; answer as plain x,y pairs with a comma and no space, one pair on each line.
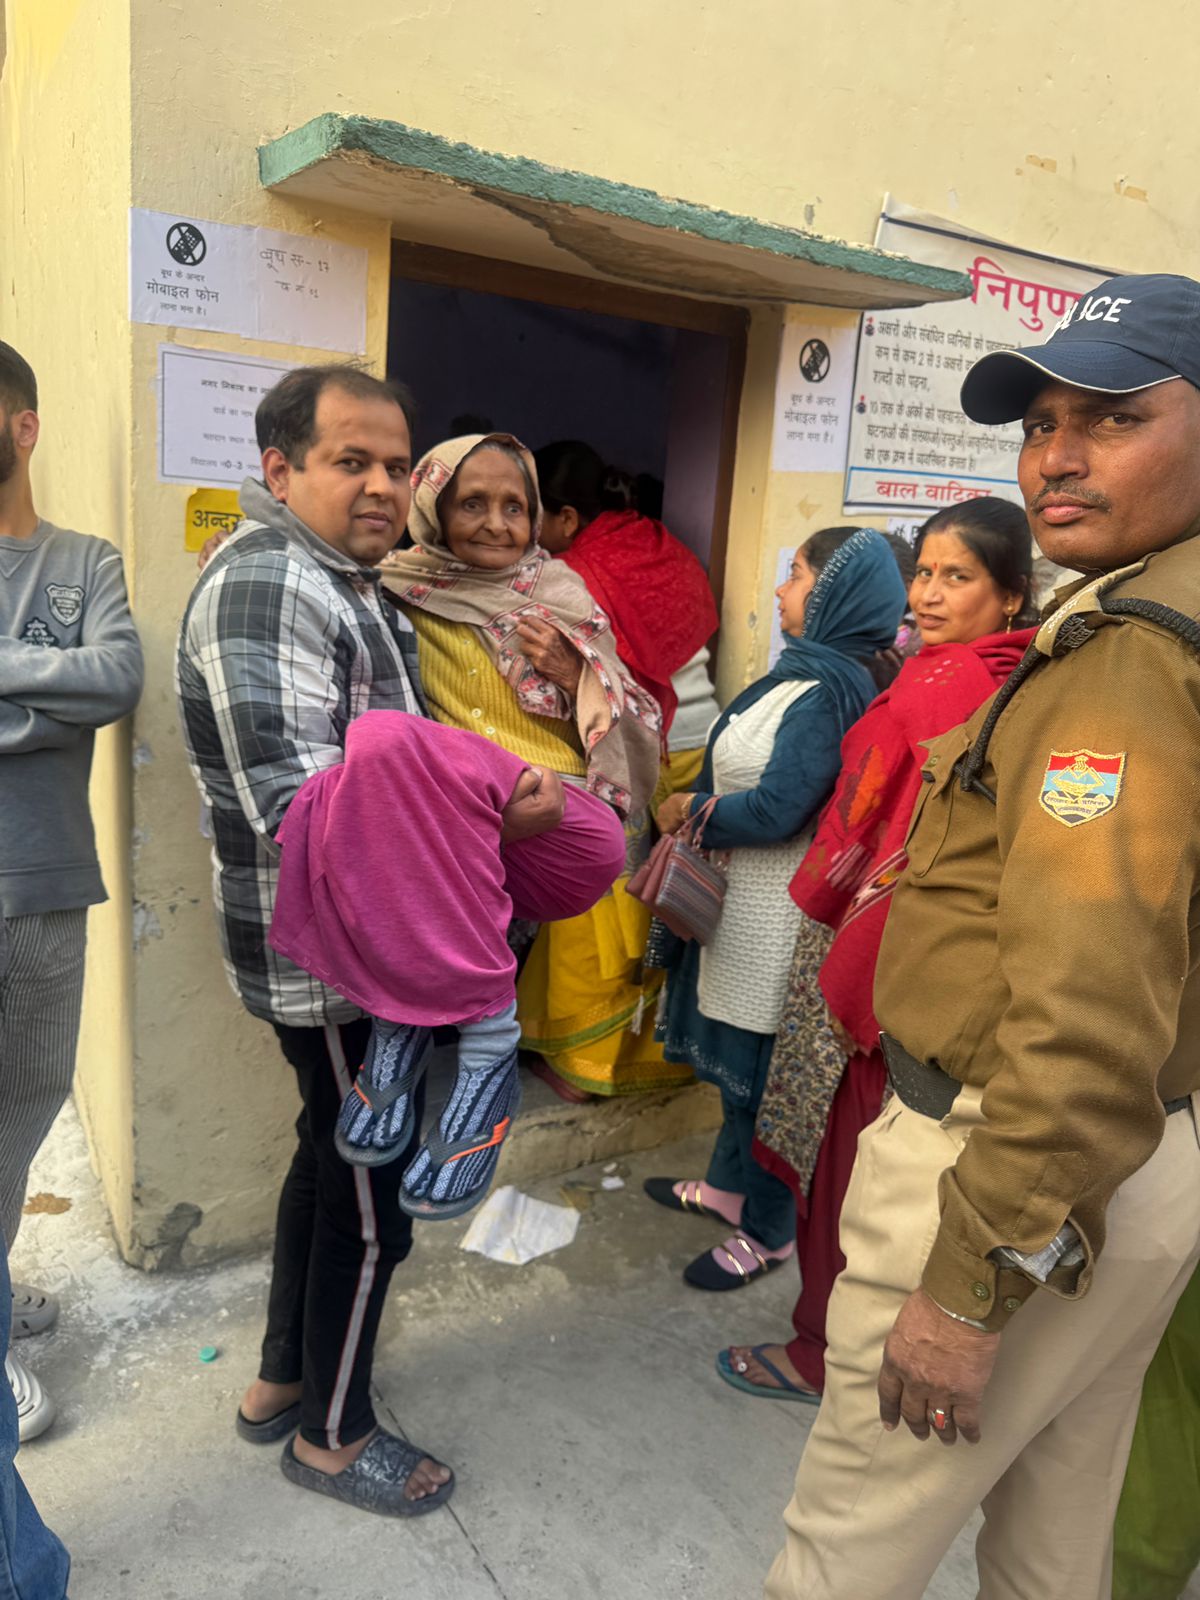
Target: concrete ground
597,1452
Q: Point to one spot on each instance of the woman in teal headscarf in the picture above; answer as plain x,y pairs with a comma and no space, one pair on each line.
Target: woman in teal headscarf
772,759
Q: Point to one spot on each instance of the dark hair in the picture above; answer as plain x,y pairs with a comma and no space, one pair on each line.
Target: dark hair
904,554
18,386
502,448
819,546
996,532
286,419
470,422
571,473
648,494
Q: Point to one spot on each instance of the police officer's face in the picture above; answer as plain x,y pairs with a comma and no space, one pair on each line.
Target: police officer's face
953,596
1109,478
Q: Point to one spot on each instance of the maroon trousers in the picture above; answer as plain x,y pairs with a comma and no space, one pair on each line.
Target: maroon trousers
818,1254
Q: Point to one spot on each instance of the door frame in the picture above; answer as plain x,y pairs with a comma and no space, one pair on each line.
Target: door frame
427,264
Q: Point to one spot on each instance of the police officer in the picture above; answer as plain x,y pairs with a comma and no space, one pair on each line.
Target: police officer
1026,1210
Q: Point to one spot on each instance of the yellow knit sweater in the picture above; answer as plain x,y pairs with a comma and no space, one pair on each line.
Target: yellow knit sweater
464,690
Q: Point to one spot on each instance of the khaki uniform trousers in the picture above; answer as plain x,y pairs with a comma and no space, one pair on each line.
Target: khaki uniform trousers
873,1512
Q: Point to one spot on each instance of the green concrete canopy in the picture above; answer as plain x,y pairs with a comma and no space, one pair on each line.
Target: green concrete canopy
510,208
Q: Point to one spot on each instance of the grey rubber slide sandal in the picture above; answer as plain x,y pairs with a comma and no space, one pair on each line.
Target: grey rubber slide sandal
271,1429
375,1481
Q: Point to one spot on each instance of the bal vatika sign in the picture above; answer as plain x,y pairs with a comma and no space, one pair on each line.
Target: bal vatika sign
911,447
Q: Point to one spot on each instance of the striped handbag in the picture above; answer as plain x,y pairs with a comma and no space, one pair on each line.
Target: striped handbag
683,884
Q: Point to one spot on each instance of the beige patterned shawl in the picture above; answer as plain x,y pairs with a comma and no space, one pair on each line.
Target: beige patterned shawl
619,723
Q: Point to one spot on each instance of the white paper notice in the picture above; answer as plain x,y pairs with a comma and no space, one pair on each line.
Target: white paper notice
187,275
206,406
310,291
256,282
812,398
911,447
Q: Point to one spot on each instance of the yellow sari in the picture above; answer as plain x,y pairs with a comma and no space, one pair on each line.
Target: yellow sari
584,1000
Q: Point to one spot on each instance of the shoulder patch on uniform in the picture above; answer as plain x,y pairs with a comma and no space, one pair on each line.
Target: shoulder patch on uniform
1081,785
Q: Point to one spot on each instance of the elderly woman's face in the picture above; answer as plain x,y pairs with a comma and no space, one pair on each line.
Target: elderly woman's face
485,512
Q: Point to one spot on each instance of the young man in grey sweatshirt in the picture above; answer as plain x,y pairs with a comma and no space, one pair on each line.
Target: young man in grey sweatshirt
70,662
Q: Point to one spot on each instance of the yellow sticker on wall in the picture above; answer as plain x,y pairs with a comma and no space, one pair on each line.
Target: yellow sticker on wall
209,511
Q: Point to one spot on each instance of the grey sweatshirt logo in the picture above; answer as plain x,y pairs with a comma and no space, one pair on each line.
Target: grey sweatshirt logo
66,602
36,631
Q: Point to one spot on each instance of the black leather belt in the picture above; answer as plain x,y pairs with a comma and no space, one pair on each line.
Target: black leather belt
932,1092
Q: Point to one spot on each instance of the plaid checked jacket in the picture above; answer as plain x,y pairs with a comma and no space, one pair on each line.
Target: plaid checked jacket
284,642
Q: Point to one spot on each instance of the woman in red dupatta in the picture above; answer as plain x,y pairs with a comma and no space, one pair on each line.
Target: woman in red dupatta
586,999
827,1077
654,591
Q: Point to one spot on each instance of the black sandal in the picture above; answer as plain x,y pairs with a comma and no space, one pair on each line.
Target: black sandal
374,1481
704,1273
271,1429
662,1192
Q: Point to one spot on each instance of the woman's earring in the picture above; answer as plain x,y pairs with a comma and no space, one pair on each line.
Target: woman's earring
1009,628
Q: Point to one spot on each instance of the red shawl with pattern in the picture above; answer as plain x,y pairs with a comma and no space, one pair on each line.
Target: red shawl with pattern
655,593
849,871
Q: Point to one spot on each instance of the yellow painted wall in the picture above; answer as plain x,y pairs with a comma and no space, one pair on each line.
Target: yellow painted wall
65,135
1065,140
1061,138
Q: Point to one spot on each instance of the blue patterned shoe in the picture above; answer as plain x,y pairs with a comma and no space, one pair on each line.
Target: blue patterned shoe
453,1169
376,1121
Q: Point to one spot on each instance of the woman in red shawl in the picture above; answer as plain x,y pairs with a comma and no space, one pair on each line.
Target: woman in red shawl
972,600
654,590
586,1003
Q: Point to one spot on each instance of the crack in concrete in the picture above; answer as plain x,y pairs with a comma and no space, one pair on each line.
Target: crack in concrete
383,1404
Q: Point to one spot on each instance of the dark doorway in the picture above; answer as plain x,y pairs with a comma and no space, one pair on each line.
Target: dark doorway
650,382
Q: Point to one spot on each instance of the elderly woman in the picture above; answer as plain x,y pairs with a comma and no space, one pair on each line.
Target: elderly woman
586,998
971,597
772,760
510,643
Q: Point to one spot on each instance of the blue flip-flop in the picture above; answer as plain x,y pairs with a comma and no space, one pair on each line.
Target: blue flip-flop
375,1124
787,1390
454,1168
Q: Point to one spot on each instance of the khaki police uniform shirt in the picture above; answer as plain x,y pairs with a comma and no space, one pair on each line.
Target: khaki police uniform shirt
1046,946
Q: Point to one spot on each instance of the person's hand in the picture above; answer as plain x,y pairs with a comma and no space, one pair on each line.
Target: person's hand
535,806
552,655
934,1367
673,813
210,547
884,667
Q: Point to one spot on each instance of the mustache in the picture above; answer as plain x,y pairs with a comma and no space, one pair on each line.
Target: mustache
1070,491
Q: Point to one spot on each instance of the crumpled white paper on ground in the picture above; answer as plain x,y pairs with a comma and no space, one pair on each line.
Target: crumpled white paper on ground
514,1227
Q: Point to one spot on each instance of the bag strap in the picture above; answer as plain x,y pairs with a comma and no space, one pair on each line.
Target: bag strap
693,828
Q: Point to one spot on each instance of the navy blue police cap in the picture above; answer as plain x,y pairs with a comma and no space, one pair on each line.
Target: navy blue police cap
1129,333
